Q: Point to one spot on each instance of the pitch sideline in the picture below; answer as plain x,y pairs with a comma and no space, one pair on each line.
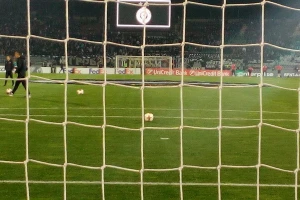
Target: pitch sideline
159,117
161,109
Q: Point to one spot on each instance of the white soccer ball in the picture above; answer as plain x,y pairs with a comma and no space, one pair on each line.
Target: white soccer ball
8,91
80,91
149,117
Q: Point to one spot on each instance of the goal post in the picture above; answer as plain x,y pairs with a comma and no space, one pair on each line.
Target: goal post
135,63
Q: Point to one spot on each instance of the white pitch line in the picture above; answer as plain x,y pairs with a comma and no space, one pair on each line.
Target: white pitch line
148,183
138,117
161,109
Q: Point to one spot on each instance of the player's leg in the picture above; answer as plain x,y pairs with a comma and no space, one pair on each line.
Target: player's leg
61,68
15,87
6,76
12,77
18,82
24,83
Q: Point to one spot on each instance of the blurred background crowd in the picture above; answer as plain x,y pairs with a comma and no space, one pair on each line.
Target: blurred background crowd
203,26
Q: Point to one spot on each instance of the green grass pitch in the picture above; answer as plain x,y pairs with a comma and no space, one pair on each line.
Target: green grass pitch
123,147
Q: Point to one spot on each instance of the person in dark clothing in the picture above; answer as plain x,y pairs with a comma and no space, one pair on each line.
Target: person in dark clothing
61,63
21,71
9,67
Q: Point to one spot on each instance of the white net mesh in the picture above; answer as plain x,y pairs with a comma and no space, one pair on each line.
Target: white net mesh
220,87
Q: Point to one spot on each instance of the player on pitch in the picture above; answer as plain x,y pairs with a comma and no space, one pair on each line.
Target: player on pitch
233,68
265,69
9,67
279,69
250,69
21,71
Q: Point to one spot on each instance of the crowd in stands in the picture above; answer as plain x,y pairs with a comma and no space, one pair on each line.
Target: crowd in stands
208,35
51,23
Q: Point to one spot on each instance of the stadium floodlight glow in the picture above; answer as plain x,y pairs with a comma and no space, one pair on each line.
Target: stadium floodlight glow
140,13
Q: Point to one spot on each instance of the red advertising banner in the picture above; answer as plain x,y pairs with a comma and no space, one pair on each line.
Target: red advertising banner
187,72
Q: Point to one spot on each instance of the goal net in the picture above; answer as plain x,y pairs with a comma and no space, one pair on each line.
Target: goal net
218,138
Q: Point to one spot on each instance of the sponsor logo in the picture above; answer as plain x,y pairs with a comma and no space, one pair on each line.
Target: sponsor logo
128,71
149,71
186,72
192,73
291,74
125,71
178,72
241,73
162,72
212,73
120,71
74,71
96,71
259,74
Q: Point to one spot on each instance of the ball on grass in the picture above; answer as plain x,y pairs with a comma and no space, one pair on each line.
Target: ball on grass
149,117
8,91
81,91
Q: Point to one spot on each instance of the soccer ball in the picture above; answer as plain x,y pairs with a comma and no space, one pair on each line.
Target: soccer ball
149,117
80,91
8,91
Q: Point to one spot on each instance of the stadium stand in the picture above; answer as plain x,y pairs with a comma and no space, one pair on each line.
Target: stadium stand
48,23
